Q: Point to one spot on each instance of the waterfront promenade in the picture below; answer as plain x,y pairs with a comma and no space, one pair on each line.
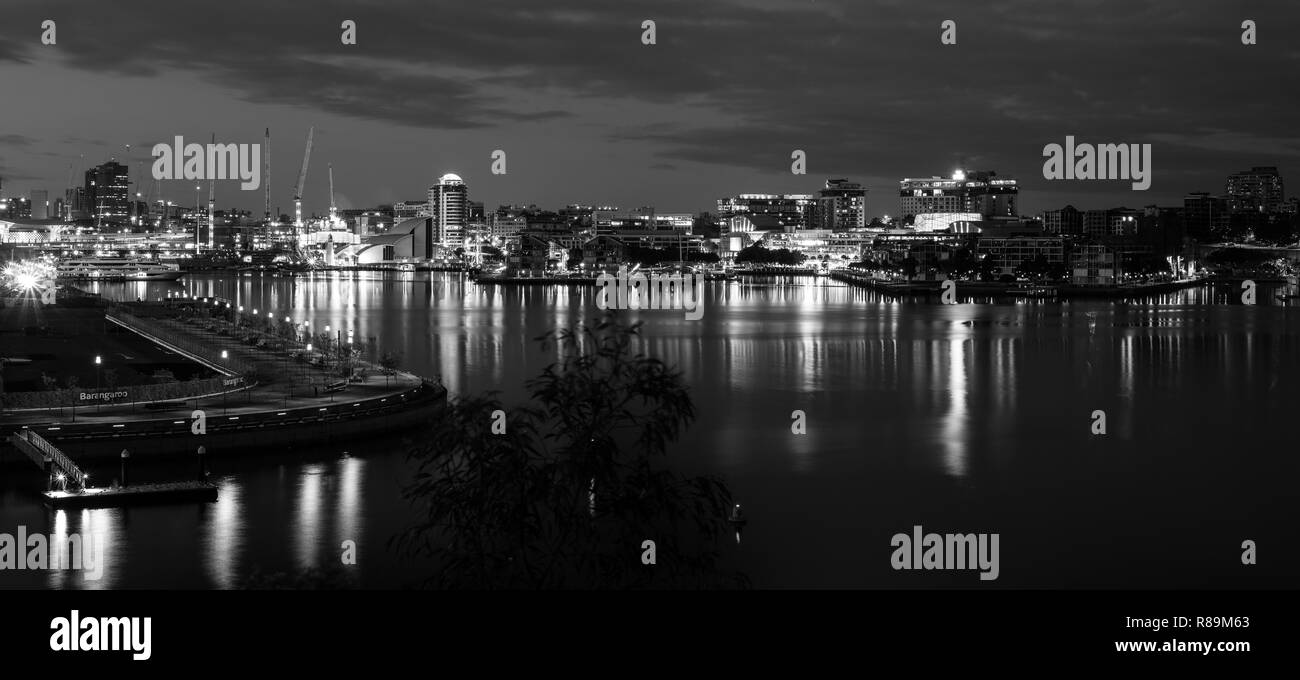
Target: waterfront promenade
278,393
898,288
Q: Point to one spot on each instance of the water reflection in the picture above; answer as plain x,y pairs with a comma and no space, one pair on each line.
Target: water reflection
307,521
895,390
225,529
349,509
954,421
95,535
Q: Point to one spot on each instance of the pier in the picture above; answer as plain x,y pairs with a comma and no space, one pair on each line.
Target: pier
76,492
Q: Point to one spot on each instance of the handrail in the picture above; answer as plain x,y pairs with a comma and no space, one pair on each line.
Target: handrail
55,454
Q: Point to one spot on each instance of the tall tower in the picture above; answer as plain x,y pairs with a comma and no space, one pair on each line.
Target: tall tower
449,210
107,191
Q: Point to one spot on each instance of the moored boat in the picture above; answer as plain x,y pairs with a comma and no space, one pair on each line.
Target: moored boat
1033,292
117,269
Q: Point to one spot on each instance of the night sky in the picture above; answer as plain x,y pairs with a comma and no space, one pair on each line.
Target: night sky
587,114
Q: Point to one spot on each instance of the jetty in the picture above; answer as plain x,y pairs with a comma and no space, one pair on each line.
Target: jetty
76,492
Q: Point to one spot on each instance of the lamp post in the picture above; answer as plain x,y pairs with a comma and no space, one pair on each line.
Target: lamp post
98,397
224,356
125,454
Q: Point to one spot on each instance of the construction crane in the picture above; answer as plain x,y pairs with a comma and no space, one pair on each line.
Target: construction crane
333,210
266,176
212,196
329,247
297,191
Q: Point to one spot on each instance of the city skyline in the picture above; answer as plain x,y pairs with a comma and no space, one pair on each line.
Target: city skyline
415,99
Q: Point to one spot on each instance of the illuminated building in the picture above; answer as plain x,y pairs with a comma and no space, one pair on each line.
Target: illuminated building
1008,253
942,221
648,229
1094,265
1256,190
842,205
982,193
16,208
449,209
406,210
107,193
792,211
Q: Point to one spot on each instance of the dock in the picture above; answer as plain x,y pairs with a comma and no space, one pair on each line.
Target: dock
583,281
997,289
76,492
143,494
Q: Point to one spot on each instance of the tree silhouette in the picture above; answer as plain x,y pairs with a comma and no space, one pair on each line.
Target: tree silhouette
566,495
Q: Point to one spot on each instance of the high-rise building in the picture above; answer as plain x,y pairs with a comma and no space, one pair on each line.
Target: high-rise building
40,204
1256,190
107,191
842,205
449,208
1205,216
16,208
978,192
77,204
792,211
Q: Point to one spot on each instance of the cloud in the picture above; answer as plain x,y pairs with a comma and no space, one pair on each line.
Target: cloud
865,87
15,140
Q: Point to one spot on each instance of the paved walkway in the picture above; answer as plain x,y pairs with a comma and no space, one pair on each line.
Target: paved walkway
285,382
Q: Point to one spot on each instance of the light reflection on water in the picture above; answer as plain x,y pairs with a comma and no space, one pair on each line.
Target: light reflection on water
914,410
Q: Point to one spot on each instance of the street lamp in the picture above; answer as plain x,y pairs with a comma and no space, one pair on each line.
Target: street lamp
98,398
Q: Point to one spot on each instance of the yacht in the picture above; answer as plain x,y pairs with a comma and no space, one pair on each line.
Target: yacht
117,269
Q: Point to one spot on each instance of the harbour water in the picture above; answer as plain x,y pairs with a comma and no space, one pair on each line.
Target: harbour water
966,418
